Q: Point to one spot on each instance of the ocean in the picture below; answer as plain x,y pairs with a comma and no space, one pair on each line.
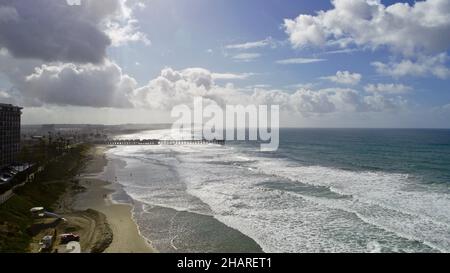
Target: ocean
323,190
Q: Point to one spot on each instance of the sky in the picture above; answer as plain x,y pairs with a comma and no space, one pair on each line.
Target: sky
339,63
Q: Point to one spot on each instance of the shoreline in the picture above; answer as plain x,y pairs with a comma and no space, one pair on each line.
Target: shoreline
163,229
173,229
126,235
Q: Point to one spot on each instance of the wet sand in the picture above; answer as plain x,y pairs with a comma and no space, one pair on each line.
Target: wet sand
126,236
173,231
169,230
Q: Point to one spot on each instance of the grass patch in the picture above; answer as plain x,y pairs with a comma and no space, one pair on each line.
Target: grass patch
45,191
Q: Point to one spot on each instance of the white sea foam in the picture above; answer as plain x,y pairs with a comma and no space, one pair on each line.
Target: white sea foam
380,207
391,191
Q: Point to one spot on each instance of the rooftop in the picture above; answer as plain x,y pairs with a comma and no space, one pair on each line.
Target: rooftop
10,106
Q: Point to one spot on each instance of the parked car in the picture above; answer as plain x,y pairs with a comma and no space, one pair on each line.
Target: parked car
37,212
68,237
4,180
6,177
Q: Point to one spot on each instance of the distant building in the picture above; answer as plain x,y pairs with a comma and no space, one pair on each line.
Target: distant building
9,133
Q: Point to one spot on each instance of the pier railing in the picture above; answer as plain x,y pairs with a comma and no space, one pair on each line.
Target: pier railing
157,142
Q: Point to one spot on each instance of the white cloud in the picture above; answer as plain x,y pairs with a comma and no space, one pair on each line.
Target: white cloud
342,51
304,30
35,83
387,88
308,85
246,57
122,28
250,45
299,61
344,77
83,85
423,66
311,102
231,76
380,103
4,95
174,87
122,34
403,28
73,2
260,86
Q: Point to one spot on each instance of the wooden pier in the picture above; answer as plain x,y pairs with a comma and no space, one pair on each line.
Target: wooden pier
157,142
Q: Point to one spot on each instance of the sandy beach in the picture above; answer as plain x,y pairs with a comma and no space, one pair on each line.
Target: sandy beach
126,236
165,229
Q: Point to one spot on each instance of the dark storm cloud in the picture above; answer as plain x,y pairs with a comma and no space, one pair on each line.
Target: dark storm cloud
51,30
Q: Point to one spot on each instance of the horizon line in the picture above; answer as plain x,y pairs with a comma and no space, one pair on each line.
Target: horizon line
281,127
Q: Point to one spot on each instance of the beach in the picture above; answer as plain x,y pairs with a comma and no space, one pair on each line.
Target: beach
232,198
111,221
126,237
167,214
322,191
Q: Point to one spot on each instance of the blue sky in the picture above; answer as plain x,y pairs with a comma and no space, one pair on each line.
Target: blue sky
183,31
386,68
